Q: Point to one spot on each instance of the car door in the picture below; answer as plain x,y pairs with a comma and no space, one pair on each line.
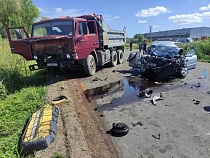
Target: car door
191,58
86,38
17,39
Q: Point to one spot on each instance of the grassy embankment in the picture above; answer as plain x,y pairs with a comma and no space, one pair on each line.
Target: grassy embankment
21,92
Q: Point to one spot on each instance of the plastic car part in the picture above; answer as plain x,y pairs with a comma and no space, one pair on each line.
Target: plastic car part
119,129
59,99
40,131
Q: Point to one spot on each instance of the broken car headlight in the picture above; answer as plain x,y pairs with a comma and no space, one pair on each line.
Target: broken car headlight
68,56
35,57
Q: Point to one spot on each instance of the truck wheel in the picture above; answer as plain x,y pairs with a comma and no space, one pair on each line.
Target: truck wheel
113,61
119,56
90,66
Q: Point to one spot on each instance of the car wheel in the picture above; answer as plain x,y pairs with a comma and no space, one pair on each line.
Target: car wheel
113,61
184,71
119,56
90,66
119,129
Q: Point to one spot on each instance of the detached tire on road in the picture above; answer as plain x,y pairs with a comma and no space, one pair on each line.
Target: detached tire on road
119,129
90,66
113,61
119,56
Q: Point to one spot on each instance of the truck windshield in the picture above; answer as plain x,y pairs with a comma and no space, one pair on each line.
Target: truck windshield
53,28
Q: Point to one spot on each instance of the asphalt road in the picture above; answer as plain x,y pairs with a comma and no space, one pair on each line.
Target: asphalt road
176,126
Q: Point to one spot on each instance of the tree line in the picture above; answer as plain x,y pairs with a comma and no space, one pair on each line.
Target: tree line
17,13
137,38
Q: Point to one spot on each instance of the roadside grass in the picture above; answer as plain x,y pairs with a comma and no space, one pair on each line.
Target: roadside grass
21,93
14,112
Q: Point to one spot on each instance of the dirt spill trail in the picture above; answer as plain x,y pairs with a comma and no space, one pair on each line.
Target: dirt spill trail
98,141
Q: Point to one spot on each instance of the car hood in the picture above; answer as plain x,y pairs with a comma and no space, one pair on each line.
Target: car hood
48,38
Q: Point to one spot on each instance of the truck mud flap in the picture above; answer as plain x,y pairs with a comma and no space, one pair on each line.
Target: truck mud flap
40,130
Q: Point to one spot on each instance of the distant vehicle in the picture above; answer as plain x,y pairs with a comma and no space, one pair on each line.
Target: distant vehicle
85,41
185,40
165,59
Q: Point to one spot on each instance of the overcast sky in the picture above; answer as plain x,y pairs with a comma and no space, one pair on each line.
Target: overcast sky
136,15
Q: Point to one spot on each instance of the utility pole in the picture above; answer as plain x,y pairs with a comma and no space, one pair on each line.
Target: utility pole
150,30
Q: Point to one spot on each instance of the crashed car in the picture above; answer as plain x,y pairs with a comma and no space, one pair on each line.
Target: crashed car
164,60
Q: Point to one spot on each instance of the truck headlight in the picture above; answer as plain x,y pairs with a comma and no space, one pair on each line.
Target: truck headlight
68,56
35,57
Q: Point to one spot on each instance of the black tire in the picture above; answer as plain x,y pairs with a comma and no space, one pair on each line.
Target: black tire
113,61
90,66
119,129
119,56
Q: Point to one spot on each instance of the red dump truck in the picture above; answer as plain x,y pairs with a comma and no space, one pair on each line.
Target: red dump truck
85,41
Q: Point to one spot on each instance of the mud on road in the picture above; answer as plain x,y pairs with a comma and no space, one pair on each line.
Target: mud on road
181,125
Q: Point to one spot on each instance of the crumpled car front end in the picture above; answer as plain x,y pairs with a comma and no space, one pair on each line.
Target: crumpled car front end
163,65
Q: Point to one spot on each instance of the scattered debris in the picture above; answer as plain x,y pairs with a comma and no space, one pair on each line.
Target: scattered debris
198,85
156,136
98,79
146,94
138,123
197,102
156,98
62,88
58,100
95,79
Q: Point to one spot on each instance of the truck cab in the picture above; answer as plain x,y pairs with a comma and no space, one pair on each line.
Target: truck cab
69,42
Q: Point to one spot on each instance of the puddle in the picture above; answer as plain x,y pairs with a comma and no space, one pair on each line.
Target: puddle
128,85
125,91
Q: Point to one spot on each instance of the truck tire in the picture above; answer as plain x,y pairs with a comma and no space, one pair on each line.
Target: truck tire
119,56
113,61
90,66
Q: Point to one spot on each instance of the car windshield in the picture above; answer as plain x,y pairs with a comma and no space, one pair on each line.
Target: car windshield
53,28
165,51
